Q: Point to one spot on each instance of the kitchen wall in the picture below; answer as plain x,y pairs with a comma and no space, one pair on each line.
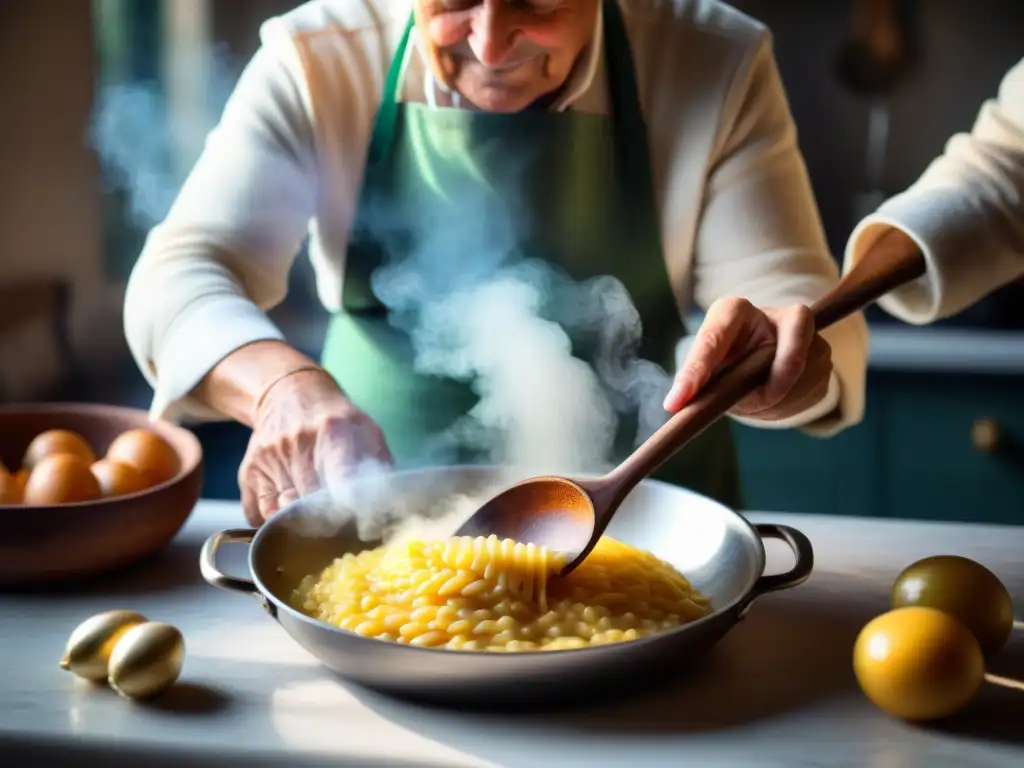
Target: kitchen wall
49,192
237,22
49,199
961,51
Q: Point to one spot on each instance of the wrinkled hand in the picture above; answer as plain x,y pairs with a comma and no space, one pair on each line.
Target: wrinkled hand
306,432
734,328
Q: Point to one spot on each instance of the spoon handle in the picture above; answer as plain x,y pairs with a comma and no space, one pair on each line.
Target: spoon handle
893,261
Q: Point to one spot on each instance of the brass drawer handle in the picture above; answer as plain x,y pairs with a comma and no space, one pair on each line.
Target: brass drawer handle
986,435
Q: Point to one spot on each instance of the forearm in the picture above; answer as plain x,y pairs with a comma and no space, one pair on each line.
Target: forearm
964,214
236,385
969,250
209,272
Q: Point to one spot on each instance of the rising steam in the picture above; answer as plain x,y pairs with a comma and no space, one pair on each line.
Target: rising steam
480,310
477,309
144,147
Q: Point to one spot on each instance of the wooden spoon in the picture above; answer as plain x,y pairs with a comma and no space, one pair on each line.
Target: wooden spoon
569,516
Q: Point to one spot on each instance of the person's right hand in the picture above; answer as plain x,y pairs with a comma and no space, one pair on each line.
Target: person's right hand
733,329
305,432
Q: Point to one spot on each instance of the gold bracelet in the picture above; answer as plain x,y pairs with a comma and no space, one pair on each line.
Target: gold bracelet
282,377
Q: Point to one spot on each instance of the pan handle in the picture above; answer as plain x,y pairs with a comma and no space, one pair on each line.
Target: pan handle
802,550
208,561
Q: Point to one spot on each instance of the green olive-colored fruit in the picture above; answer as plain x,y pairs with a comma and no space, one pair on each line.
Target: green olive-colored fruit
966,590
918,663
146,660
90,645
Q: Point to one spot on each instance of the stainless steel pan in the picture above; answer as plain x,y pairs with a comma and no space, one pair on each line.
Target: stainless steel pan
718,550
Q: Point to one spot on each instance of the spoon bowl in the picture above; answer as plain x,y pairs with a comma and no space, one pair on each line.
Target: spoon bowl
570,516
554,512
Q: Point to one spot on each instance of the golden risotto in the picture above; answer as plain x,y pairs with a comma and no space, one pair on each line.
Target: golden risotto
489,594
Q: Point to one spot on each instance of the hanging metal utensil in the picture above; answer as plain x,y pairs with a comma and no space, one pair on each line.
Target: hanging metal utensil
871,61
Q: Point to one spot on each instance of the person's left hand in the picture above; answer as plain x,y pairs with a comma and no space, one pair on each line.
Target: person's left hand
734,328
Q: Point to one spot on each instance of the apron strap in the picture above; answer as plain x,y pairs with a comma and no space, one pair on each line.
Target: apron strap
633,160
387,114
627,112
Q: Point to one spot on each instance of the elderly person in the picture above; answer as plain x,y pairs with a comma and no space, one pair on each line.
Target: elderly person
644,140
965,215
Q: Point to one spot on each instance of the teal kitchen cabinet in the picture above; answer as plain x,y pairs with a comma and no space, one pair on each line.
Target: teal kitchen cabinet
953,447
939,446
789,471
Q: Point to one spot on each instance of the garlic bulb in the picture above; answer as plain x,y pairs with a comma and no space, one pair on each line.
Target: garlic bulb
146,660
92,642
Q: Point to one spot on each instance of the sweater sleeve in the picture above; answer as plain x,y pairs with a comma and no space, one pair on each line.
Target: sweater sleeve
761,236
965,212
221,257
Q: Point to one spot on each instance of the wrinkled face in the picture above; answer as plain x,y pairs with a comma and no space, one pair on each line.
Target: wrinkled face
502,55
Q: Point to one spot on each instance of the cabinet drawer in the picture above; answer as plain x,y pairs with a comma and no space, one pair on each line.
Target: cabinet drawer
952,447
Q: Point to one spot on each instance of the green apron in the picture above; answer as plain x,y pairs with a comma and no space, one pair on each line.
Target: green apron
584,186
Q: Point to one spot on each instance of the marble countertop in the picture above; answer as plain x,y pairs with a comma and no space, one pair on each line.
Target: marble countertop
777,691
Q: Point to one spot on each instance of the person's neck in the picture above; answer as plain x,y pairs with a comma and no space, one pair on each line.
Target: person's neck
546,101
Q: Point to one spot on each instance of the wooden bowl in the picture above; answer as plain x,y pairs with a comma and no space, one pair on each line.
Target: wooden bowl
41,544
